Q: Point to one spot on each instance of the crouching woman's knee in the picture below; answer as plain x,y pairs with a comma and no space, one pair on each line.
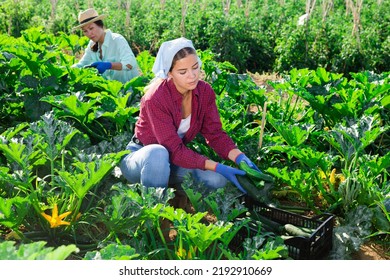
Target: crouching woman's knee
156,167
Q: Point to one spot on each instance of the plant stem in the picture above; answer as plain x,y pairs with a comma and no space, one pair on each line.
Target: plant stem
262,126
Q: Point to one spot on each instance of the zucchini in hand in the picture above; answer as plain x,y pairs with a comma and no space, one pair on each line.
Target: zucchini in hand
259,192
254,173
250,187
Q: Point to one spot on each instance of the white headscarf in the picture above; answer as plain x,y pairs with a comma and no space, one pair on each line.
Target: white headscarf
166,53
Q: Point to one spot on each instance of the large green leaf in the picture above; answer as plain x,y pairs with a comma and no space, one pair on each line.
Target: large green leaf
113,252
88,174
294,134
35,251
311,158
72,107
13,210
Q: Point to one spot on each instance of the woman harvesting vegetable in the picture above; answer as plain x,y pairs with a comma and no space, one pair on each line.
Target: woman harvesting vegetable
108,52
176,107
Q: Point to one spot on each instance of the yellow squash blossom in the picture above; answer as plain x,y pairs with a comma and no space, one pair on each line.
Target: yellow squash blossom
322,174
183,254
335,179
54,219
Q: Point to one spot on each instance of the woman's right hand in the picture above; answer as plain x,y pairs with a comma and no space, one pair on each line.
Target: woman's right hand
230,174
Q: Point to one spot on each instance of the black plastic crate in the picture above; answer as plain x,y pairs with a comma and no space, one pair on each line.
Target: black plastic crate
317,246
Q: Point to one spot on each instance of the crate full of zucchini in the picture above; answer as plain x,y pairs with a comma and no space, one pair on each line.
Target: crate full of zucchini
306,237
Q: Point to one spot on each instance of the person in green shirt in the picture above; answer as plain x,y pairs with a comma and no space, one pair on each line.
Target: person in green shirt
107,51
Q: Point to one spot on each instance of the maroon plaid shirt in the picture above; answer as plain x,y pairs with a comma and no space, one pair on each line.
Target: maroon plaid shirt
160,117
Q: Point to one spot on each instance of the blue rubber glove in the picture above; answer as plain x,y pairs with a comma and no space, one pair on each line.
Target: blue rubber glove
243,157
102,66
230,174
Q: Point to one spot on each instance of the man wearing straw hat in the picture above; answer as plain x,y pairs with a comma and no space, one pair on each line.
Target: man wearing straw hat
108,52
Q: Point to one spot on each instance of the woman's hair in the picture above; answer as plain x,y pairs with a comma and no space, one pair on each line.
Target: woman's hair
184,52
95,47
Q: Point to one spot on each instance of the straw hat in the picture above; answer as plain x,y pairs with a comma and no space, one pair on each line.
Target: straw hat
88,16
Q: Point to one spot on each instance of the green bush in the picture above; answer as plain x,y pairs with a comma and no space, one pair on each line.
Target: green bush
259,36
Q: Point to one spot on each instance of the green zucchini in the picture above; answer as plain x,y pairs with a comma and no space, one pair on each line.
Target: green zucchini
296,231
254,173
259,192
286,237
251,189
268,224
308,230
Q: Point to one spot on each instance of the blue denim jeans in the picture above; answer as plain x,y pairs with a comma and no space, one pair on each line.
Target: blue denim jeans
150,166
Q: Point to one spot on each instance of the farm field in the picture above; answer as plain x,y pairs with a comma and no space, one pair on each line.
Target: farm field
322,136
